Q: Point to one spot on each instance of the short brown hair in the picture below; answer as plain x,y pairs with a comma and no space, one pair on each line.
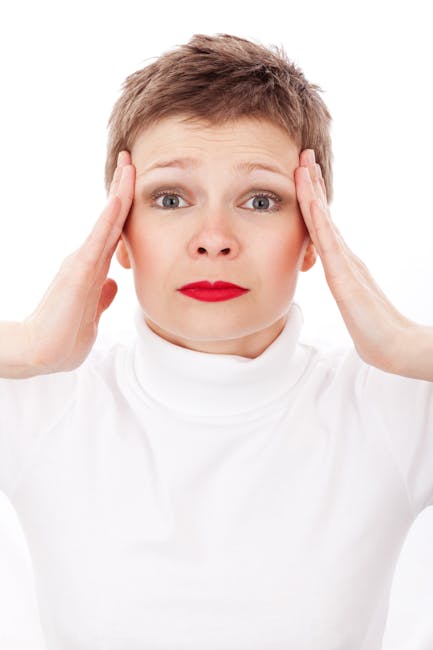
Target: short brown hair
216,79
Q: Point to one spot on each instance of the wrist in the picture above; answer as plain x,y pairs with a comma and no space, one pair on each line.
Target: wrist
414,352
15,351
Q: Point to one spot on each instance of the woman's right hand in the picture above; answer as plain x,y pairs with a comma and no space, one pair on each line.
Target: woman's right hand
62,330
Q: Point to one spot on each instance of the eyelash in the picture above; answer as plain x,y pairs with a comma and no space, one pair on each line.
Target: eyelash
260,193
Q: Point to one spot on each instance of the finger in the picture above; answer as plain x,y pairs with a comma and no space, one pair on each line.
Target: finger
325,232
107,230
318,187
321,182
318,183
314,191
341,265
81,275
336,259
307,159
305,194
83,266
327,238
122,160
92,248
343,269
329,245
87,268
126,188
126,192
115,181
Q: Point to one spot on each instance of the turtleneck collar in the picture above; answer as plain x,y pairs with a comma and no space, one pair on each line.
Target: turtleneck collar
200,383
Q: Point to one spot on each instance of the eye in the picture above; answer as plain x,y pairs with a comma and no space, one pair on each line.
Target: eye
167,199
260,198
263,197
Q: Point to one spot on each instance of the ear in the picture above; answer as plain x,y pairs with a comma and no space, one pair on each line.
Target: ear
310,257
122,254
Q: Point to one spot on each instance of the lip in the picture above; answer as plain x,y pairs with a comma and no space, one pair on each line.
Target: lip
212,292
218,284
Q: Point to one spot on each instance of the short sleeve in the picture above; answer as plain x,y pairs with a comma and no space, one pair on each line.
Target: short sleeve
29,409
403,408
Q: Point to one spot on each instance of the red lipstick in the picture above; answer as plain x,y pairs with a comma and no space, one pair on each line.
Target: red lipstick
212,292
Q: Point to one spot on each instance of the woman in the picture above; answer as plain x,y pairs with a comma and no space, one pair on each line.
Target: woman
215,484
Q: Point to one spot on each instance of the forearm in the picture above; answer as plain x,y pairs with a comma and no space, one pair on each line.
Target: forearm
414,353
14,352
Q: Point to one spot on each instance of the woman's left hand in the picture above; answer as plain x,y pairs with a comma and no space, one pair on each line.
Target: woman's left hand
378,329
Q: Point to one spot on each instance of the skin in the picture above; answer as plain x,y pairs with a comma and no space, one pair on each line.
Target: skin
265,252
215,212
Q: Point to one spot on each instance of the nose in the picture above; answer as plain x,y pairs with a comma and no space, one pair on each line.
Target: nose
214,246
214,239
203,251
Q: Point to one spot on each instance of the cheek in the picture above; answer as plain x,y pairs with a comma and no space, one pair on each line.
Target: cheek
285,251
282,264
152,252
137,238
149,257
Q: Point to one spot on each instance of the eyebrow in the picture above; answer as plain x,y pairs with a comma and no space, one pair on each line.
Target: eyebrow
192,163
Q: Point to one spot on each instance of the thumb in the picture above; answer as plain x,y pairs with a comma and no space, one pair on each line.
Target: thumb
108,293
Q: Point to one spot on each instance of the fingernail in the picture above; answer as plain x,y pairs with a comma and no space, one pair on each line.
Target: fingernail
120,158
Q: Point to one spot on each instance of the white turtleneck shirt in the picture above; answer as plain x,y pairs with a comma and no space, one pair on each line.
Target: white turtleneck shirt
179,500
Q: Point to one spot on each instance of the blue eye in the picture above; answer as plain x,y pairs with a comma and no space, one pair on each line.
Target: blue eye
262,196
265,197
169,204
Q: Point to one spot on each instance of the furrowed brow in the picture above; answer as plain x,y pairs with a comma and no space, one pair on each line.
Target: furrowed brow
187,163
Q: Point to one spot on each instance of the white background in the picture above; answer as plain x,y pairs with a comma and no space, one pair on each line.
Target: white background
62,66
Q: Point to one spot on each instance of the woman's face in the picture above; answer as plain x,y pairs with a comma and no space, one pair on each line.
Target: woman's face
212,226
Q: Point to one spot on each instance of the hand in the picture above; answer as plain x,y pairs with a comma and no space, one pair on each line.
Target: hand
63,328
375,325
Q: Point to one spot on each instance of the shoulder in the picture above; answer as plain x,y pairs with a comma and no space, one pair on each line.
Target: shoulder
333,365
343,380
47,397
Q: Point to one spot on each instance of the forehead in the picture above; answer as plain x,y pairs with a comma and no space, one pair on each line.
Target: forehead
245,140
240,147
